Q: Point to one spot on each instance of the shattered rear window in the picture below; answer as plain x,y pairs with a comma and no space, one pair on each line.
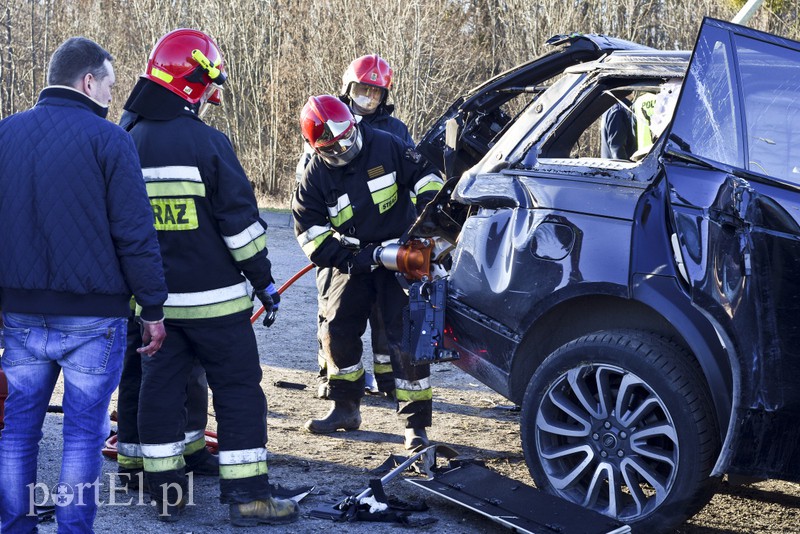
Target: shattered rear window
771,90
746,117
706,119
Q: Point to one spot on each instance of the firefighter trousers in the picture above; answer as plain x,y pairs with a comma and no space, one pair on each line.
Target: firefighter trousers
349,304
226,348
381,360
129,452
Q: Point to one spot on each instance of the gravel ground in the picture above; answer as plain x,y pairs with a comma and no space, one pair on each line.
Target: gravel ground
467,416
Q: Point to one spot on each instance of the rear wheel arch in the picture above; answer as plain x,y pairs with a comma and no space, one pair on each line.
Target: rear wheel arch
572,319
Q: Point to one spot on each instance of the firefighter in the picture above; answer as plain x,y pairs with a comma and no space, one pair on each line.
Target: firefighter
212,241
354,195
129,451
365,88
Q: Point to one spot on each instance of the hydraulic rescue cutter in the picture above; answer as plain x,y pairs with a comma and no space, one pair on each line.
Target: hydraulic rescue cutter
424,324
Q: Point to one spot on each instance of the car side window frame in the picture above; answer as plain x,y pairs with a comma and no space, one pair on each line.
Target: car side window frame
555,147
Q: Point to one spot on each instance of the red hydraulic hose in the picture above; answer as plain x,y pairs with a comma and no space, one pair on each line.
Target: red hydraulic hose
283,288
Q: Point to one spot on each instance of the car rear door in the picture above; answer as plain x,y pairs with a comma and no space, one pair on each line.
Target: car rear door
732,162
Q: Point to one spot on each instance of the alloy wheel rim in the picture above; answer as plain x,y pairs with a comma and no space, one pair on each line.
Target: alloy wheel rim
607,441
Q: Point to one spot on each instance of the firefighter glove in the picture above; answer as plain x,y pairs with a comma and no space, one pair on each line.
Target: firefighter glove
271,300
361,262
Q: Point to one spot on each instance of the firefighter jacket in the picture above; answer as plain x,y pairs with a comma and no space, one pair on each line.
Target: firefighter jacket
75,223
366,201
205,213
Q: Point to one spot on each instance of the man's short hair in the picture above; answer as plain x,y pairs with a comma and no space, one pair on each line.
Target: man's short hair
74,59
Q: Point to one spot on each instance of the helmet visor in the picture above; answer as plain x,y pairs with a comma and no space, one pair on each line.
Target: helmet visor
215,99
366,98
212,94
343,150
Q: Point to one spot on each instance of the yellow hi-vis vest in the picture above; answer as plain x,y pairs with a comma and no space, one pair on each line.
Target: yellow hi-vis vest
643,109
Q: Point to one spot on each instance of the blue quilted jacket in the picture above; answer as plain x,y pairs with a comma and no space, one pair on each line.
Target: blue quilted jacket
76,227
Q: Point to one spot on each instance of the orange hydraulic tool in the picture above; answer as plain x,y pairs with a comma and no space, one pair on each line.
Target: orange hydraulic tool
412,259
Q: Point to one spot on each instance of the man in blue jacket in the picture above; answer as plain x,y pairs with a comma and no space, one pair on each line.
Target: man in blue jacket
618,132
78,240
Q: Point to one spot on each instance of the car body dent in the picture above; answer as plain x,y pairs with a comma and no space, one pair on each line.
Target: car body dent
743,272
498,280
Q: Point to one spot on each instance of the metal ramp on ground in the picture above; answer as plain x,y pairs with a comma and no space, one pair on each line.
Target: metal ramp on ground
515,505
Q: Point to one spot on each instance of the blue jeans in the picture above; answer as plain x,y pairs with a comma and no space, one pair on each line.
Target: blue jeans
38,347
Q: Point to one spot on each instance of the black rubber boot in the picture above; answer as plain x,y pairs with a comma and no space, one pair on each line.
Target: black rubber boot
415,439
168,512
345,415
168,493
132,479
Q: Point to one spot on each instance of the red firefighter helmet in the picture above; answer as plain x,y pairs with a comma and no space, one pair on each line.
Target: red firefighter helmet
188,63
366,82
330,128
369,70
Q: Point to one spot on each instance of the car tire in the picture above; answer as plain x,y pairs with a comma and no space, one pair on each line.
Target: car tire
644,454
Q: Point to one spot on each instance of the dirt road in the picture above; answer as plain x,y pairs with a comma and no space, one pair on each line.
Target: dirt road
467,416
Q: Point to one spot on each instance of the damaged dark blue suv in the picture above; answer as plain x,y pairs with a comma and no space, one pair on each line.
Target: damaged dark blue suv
644,312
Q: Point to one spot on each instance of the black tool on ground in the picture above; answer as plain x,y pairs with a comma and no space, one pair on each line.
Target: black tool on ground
508,407
288,385
423,326
45,514
372,504
513,504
